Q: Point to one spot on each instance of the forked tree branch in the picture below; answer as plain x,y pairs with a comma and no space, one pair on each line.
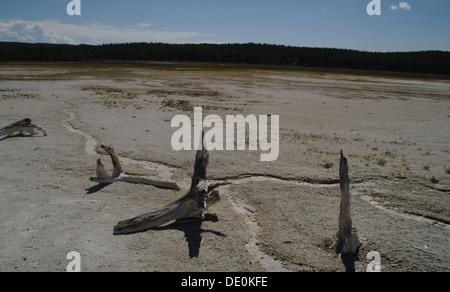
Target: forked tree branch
118,174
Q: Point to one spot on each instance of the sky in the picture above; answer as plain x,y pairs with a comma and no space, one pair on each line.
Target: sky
412,25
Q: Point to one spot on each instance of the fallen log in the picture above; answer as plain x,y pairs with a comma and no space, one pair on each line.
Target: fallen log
198,199
21,126
347,241
119,175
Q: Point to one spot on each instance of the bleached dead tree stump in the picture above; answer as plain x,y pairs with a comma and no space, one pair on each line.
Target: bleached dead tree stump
118,174
198,199
347,241
21,126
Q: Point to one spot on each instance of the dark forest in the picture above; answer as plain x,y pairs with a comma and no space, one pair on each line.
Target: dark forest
433,62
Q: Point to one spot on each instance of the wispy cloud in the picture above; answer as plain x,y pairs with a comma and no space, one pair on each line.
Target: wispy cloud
402,5
52,31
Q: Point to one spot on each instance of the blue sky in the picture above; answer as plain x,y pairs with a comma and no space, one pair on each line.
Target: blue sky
410,25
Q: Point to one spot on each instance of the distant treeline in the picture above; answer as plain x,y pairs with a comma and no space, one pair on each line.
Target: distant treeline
435,62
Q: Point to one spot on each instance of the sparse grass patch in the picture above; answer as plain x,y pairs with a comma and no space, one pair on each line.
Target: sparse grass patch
326,242
367,157
110,92
398,174
21,95
183,105
327,165
185,92
381,162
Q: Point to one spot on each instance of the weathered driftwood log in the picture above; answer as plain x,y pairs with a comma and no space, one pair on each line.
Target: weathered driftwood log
21,126
118,174
347,240
193,205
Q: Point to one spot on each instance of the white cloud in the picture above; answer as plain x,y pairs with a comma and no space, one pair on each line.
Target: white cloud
23,31
404,5
52,31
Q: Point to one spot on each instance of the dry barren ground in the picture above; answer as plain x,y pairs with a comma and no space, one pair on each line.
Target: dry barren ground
277,216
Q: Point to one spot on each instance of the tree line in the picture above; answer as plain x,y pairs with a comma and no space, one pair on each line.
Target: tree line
435,62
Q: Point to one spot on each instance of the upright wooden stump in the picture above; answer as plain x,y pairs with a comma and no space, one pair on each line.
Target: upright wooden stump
347,241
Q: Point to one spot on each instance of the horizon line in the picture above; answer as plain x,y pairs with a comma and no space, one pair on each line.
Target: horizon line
224,44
